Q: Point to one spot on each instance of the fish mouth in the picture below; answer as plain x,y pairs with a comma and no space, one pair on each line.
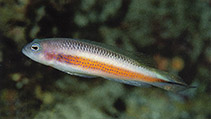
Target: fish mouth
24,51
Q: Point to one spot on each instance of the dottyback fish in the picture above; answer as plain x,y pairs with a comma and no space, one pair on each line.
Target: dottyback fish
90,59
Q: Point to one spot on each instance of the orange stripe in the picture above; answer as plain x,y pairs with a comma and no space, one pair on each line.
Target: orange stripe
100,66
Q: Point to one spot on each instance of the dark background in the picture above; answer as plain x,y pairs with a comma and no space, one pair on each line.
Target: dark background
176,34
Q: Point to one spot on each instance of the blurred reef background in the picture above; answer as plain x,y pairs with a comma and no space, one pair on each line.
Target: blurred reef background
176,33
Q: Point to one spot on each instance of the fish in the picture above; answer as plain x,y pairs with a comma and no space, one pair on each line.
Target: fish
92,59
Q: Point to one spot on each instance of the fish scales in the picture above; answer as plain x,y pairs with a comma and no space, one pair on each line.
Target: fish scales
96,53
93,65
84,58
79,46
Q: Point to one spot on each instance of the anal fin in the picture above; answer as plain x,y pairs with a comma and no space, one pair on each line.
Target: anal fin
130,82
81,75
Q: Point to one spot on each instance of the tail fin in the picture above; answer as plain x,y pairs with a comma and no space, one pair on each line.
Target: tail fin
174,87
171,82
171,86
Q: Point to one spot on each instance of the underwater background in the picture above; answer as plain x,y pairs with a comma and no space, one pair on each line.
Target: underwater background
175,33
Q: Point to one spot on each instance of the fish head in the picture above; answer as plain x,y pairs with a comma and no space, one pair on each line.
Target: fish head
36,51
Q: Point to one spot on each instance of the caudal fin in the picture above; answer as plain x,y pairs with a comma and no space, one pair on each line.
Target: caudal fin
171,86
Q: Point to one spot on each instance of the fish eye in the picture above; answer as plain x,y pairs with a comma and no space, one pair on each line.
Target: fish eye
35,47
